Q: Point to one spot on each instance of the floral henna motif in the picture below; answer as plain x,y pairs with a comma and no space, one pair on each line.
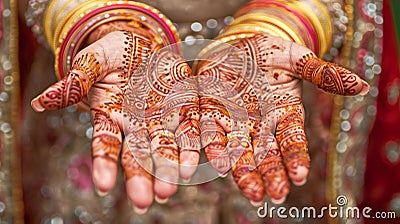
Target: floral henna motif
165,101
269,162
214,140
89,65
232,110
103,122
139,150
273,93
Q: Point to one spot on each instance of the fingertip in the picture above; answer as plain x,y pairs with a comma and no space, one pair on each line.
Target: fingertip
101,193
365,88
104,174
188,164
140,211
161,200
140,192
164,190
299,175
251,186
36,105
278,201
256,203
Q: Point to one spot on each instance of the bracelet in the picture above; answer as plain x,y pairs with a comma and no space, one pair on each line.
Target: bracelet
292,20
66,27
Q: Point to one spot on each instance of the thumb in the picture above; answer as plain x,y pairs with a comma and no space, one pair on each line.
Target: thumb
72,88
330,77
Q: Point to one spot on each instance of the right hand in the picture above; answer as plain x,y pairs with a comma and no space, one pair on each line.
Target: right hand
102,72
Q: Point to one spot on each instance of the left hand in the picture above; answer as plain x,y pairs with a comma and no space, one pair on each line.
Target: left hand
251,112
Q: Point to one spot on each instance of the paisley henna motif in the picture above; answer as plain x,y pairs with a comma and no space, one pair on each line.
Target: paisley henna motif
328,76
70,90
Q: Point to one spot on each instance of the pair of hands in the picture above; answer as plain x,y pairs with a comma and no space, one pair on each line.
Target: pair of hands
162,117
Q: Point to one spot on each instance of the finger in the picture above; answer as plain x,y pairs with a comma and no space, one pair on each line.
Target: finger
243,167
292,142
137,165
269,162
213,140
216,110
330,77
188,138
165,156
187,134
106,145
72,88
303,63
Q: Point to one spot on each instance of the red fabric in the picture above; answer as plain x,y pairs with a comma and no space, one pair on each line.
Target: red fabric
382,177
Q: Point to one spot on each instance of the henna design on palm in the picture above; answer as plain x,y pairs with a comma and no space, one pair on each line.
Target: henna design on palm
101,72
162,102
262,75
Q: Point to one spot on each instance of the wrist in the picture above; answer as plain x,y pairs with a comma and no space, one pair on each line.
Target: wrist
69,27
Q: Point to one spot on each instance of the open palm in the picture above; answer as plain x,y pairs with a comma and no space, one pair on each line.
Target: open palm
101,72
252,117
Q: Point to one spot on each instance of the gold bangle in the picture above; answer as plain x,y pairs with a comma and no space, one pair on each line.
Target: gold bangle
66,35
269,21
324,32
74,16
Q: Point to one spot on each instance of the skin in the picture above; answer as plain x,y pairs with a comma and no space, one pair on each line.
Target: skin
253,122
101,72
264,146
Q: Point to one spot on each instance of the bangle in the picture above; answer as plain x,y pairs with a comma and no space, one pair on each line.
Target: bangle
67,32
291,20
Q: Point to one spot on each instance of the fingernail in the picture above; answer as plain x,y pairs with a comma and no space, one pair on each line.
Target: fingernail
161,200
278,200
186,180
101,193
35,103
256,203
299,175
140,211
300,183
365,88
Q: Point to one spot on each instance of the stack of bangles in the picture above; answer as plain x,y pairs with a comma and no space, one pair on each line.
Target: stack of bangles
305,22
68,23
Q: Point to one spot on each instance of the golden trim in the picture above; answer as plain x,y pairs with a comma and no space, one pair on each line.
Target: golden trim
11,139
